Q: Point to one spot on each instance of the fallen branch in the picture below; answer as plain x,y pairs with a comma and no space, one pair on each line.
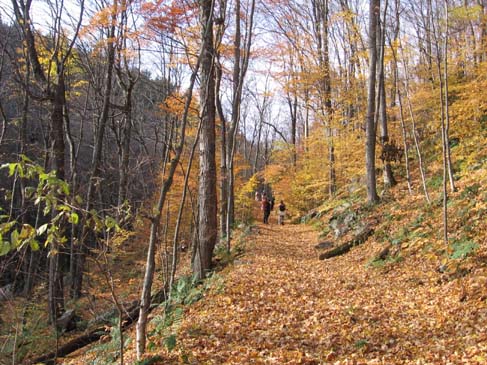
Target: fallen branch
360,238
131,315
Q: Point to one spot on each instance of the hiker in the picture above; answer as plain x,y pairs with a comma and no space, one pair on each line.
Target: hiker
266,208
272,201
258,197
281,213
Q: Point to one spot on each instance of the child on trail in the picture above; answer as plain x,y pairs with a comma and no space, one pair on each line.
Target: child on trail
281,213
266,208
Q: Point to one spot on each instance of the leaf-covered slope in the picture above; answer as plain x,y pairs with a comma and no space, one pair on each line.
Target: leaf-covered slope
280,305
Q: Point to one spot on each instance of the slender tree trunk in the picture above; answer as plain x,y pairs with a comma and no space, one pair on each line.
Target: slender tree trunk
175,245
447,108
57,256
223,157
77,279
384,136
240,66
413,132
126,139
220,30
372,196
444,127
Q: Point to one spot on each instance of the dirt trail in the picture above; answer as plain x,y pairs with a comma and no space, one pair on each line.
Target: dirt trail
281,305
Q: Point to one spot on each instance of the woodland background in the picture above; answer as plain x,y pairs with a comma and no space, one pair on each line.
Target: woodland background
134,135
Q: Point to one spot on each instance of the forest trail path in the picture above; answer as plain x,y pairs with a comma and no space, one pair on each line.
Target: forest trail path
280,305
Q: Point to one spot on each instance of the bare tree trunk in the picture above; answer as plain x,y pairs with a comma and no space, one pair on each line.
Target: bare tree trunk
446,103
372,196
208,226
444,126
223,157
384,136
240,66
180,211
155,219
77,275
405,142
414,133
223,132
125,158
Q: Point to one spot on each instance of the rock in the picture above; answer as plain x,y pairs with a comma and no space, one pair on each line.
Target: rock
67,321
342,220
324,244
349,218
362,234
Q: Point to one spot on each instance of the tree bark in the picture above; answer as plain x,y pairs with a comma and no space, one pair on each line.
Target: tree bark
207,178
372,196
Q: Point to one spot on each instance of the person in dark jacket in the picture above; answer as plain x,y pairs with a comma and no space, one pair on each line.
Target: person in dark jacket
266,208
281,213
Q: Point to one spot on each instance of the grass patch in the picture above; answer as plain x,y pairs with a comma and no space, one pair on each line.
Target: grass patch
380,263
463,248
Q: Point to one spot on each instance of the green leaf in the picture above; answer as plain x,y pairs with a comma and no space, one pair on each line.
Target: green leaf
4,248
11,168
34,245
6,227
170,342
25,158
73,218
14,239
110,222
64,187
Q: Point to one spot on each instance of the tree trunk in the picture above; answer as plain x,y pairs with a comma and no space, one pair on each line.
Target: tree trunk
413,132
223,157
389,180
405,143
78,267
372,196
145,300
207,178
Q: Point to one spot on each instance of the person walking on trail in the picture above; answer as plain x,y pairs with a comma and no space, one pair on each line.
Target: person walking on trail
266,208
272,201
281,213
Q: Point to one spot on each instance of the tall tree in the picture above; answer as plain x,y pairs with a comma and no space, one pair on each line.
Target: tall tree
372,197
240,66
382,116
207,198
52,80
321,24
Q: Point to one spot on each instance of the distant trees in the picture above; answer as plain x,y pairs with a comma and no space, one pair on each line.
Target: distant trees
64,91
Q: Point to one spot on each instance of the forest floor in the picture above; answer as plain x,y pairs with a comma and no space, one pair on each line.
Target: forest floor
280,305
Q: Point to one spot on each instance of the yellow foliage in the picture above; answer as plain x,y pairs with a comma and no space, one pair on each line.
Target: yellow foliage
244,201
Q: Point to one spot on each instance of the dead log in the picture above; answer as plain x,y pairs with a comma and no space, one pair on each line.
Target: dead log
362,236
131,314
